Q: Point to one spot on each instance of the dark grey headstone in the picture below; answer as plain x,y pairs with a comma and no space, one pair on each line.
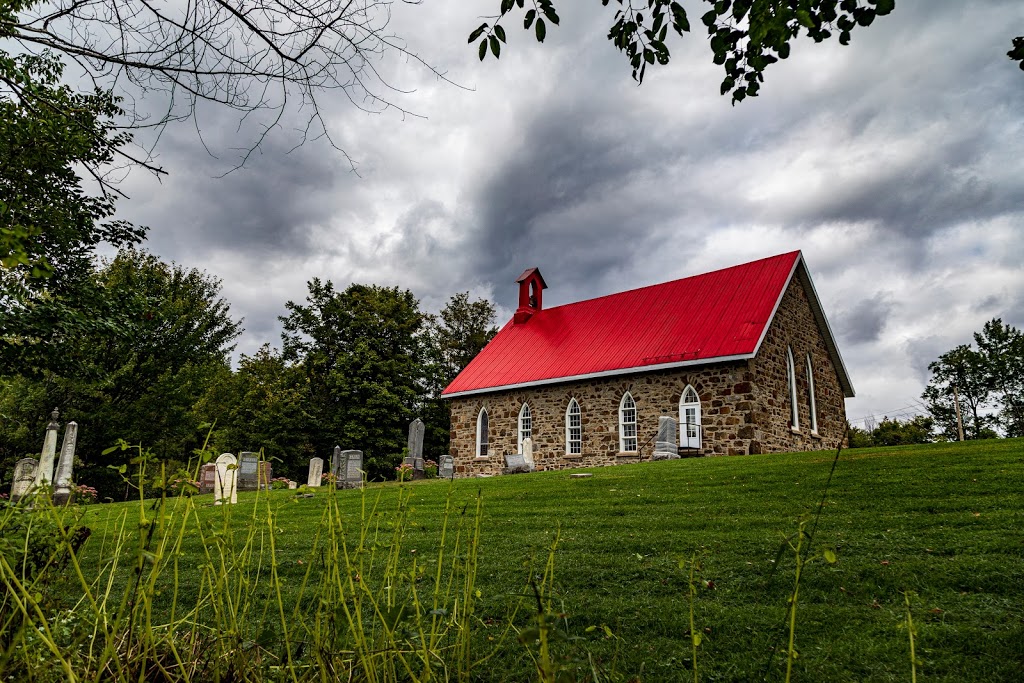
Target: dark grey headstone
353,469
336,468
248,471
446,468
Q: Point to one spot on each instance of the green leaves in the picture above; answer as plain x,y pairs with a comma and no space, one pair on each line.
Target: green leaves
745,36
1017,53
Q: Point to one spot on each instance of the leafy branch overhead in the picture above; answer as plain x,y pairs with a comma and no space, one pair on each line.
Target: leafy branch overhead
746,36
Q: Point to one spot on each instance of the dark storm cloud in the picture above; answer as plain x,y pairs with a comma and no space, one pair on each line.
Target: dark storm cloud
569,194
865,321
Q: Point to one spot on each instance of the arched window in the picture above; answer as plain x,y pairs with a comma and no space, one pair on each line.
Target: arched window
811,401
573,429
689,419
481,434
627,424
525,425
794,416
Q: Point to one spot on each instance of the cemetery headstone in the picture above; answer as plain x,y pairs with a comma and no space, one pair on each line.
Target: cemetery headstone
226,488
248,471
266,474
208,477
336,469
24,478
44,471
316,471
416,445
446,468
515,463
65,466
665,447
353,478
528,451
292,484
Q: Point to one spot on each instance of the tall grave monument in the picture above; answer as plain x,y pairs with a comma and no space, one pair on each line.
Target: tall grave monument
65,466
44,471
415,456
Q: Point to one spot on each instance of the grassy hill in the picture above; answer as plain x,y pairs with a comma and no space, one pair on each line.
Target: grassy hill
941,525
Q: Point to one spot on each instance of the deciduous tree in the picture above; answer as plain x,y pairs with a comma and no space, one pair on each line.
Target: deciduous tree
451,340
745,36
961,371
361,354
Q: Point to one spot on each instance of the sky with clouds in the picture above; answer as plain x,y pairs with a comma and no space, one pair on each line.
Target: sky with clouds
896,164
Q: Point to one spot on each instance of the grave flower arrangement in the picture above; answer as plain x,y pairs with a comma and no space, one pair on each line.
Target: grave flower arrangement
403,472
430,468
278,483
83,494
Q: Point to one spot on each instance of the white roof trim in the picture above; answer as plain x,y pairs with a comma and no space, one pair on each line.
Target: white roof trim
603,373
819,316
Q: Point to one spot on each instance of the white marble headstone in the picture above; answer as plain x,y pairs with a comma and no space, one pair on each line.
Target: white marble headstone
528,451
316,471
665,446
226,488
44,471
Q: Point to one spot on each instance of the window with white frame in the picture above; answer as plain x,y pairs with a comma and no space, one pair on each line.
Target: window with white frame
794,414
573,429
689,419
481,434
525,425
627,424
811,401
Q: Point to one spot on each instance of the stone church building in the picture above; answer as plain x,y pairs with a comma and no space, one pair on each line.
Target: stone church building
743,357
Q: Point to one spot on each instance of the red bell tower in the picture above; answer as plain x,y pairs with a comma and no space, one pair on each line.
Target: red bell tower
531,289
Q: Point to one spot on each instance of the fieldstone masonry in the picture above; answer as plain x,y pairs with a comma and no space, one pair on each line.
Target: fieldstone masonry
744,405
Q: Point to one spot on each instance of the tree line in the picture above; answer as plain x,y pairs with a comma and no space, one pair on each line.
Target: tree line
983,381
355,367
138,349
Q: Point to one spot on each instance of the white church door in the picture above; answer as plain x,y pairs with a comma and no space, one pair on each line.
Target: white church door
689,419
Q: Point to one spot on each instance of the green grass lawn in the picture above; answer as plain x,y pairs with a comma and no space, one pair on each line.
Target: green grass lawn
944,522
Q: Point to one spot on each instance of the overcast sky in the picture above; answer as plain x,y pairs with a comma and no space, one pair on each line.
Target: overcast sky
896,164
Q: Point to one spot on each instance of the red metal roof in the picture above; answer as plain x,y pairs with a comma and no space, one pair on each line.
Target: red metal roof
711,317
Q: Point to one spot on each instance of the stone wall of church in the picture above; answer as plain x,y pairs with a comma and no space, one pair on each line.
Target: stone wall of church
744,406
794,326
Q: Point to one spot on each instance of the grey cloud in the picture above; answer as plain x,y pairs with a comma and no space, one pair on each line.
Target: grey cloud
864,322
